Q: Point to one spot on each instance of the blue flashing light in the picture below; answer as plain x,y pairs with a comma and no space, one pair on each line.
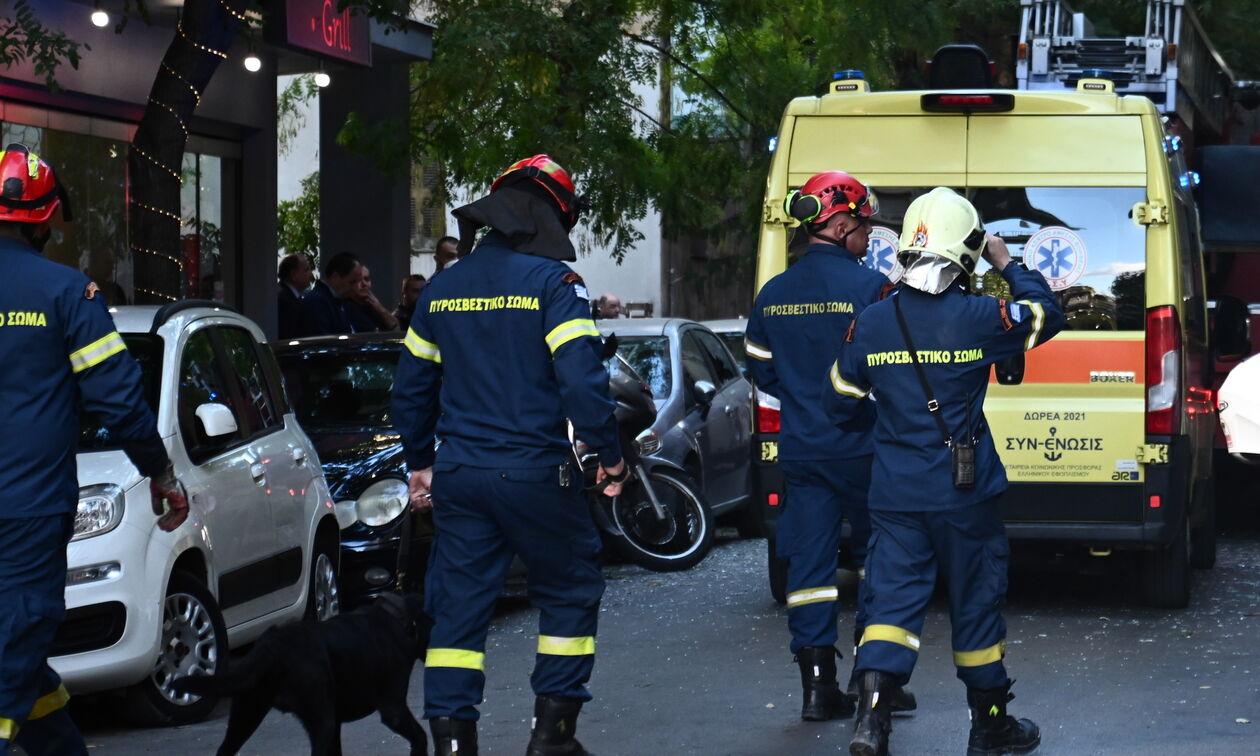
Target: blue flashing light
1097,73
1189,179
1172,144
848,73
774,142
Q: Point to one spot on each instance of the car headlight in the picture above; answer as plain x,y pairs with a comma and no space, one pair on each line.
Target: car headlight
382,502
100,510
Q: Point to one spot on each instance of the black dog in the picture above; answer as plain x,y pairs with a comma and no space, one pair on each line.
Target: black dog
328,673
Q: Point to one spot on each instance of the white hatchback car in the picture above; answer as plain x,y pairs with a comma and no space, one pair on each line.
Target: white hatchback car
260,545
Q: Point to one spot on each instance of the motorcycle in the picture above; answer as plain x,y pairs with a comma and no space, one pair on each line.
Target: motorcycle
657,521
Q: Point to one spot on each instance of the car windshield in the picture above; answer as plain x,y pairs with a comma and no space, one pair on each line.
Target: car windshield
649,356
147,349
339,388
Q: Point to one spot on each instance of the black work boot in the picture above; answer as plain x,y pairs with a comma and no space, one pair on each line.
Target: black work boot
555,724
993,731
453,737
874,717
899,700
823,698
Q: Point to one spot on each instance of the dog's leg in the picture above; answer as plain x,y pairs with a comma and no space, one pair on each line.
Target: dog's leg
248,711
323,730
402,721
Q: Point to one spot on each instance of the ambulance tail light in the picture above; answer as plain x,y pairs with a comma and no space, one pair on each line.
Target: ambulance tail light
768,419
1163,371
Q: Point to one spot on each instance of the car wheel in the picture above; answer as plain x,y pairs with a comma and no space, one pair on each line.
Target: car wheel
194,641
324,595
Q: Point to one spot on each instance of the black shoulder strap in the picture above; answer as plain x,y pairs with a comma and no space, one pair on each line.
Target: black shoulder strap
934,407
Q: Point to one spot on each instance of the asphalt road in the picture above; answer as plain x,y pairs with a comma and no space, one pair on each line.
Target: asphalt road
697,663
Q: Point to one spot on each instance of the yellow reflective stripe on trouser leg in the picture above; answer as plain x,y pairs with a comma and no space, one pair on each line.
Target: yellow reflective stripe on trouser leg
812,596
557,646
97,352
8,728
455,657
425,350
984,656
891,634
570,330
47,704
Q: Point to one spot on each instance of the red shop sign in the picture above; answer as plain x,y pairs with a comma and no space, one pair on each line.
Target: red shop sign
316,26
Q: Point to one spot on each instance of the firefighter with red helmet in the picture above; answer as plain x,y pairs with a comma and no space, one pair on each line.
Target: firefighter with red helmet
501,350
62,349
799,318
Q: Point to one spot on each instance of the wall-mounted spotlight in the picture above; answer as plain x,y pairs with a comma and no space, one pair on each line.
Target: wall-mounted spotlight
322,79
99,17
253,63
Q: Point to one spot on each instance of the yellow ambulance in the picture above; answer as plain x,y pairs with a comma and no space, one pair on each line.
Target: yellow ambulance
1106,431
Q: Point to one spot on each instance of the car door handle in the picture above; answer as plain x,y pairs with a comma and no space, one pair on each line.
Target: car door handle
258,471
299,456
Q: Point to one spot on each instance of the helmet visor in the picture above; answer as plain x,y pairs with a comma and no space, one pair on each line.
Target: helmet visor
869,205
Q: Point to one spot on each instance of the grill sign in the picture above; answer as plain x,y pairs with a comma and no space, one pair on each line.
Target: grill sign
316,26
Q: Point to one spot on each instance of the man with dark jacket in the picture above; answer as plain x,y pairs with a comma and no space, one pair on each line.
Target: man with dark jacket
501,482
295,277
325,307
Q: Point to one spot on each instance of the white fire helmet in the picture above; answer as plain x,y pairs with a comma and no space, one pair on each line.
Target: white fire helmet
1239,404
941,238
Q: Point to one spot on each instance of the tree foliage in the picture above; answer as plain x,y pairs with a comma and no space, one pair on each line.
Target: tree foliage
298,220
24,37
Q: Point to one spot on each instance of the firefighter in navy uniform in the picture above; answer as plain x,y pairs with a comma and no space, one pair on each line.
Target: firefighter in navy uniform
60,348
500,351
797,323
936,478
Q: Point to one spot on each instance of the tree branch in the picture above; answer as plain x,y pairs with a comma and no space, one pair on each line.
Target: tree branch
692,70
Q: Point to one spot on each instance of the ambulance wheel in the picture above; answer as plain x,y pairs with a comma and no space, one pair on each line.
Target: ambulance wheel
777,569
1203,538
194,641
1166,572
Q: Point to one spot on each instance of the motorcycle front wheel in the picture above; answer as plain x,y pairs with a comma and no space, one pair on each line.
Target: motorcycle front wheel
677,542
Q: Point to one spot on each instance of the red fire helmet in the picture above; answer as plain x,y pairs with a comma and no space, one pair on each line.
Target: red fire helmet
548,173
29,190
838,192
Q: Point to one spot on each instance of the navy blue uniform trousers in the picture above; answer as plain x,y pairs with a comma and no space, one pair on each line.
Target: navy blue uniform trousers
968,545
33,584
483,517
821,494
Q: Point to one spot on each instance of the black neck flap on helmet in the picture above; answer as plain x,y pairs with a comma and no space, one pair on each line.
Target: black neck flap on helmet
531,221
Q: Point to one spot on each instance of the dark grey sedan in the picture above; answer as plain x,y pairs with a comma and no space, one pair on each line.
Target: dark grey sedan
704,407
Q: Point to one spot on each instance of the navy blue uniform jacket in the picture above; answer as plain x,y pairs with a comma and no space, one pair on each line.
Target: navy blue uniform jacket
958,336
507,341
58,348
797,324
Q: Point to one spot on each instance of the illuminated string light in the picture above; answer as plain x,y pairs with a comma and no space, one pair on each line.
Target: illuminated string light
232,11
159,164
180,30
187,83
159,294
159,211
178,263
175,115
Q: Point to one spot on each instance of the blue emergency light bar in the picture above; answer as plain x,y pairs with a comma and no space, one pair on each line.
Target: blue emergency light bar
848,73
774,142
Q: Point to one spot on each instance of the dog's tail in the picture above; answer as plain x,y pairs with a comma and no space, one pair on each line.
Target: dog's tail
240,676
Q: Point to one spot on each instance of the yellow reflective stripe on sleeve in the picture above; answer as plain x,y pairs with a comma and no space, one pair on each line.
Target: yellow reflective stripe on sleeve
1039,320
425,350
455,657
891,634
753,349
812,596
556,646
844,387
8,728
47,704
97,352
982,657
570,330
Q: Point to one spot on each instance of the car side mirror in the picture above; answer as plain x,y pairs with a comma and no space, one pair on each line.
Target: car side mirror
704,391
216,419
1231,331
1010,371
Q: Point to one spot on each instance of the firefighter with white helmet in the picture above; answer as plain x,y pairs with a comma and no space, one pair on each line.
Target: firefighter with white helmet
925,352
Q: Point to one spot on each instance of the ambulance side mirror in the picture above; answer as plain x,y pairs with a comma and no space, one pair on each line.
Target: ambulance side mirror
216,419
1010,371
1231,330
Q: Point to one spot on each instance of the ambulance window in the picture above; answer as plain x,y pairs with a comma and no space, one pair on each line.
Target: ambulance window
1082,239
